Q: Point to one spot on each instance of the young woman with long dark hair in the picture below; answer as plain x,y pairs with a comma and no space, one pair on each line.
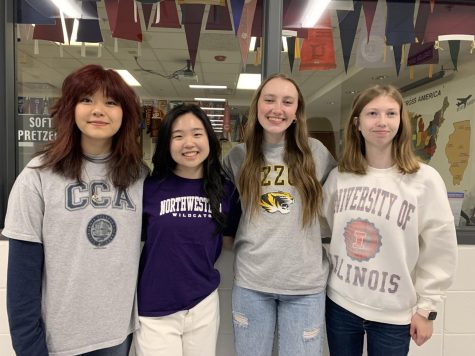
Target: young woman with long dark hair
188,205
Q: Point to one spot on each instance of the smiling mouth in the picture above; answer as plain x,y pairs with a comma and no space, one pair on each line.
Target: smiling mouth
98,123
275,118
191,154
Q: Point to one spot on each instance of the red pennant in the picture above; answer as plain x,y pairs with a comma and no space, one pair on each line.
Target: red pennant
192,16
49,32
126,27
369,8
147,13
218,18
318,52
111,9
245,27
257,21
53,32
448,20
294,11
168,15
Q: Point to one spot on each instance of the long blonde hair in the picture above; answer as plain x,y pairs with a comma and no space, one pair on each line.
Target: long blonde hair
297,156
353,157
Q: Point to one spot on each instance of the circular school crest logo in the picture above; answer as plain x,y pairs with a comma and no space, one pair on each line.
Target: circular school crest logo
101,230
362,240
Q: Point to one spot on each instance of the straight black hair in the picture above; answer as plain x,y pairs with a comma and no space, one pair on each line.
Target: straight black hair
213,173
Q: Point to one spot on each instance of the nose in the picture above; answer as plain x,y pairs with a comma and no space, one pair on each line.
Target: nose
97,110
382,120
277,107
188,142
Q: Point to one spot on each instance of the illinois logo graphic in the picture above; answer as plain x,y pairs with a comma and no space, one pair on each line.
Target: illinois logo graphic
276,201
362,240
101,230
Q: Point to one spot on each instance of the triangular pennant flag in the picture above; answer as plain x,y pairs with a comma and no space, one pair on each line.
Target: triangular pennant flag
28,12
168,15
244,30
422,52
218,18
318,51
372,53
126,27
147,13
237,6
257,21
291,51
46,8
400,25
201,2
369,9
448,20
454,46
192,16
293,12
49,32
348,22
397,49
89,29
111,9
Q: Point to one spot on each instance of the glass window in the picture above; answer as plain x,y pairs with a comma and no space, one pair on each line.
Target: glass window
347,49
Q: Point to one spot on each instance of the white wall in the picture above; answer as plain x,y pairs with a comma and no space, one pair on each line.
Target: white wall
454,329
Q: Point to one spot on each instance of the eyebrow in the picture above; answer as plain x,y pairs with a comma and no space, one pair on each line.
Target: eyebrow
193,129
274,96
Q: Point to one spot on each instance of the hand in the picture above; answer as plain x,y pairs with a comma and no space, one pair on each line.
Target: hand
421,329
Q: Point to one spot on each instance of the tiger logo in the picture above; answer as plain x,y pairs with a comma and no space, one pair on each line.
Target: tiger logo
276,201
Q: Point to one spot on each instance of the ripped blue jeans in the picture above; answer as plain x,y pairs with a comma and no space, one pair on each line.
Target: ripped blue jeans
299,320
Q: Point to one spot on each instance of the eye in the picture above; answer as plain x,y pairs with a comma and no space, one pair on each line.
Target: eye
288,102
392,114
176,137
198,134
268,100
85,99
372,113
111,102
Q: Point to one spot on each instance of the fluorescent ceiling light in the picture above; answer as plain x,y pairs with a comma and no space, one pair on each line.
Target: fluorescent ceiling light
208,108
314,10
249,81
215,120
129,78
200,86
210,99
252,44
215,115
71,8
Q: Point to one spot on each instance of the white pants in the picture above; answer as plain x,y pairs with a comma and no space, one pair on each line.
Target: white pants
185,333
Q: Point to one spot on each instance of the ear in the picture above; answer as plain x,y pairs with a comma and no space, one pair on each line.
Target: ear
356,123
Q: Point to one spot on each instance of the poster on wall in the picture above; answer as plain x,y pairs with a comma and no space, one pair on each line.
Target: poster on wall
441,133
34,126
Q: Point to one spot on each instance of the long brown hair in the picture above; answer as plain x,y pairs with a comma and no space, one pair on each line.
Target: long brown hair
353,157
64,154
297,156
